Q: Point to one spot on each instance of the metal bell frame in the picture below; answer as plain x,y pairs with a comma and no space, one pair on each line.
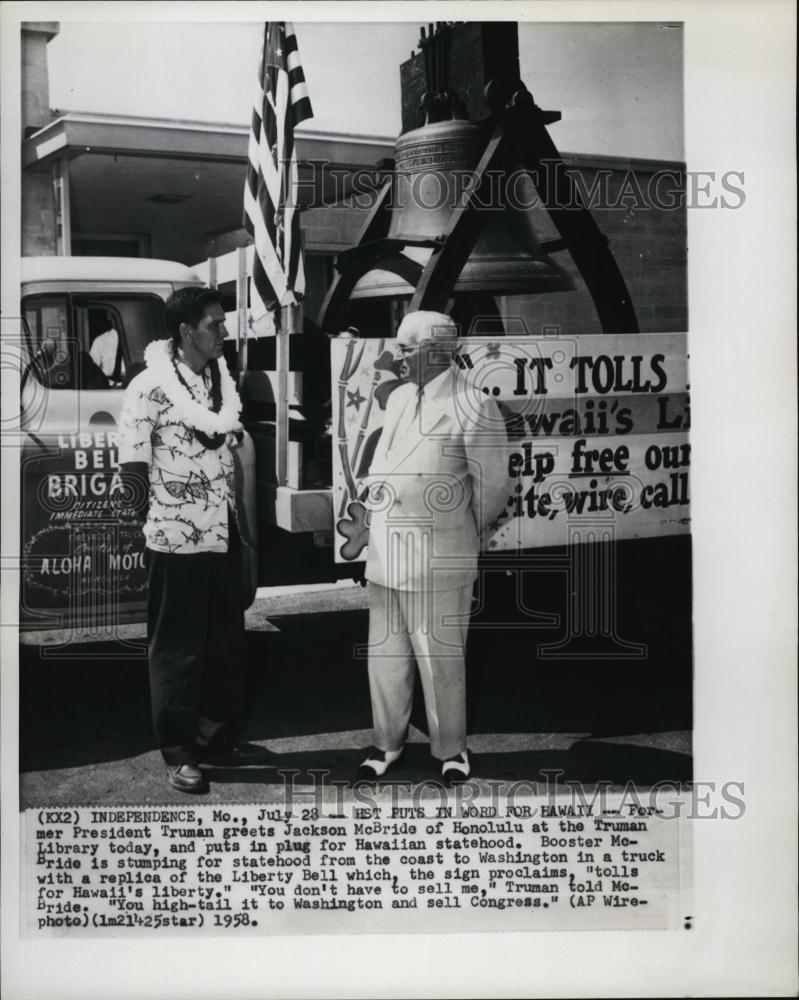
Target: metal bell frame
519,136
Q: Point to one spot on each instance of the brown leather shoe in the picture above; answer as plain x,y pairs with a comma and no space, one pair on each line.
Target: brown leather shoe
187,778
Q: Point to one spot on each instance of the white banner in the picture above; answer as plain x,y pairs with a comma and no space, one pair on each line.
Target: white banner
595,429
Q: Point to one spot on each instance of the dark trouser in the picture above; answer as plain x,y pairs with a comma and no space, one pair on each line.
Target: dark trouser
195,631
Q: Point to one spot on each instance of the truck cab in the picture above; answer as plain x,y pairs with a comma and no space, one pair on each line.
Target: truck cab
86,323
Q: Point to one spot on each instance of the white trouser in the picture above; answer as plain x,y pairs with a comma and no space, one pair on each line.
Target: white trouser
432,627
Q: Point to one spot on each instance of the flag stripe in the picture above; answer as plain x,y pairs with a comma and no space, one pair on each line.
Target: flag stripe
271,213
265,254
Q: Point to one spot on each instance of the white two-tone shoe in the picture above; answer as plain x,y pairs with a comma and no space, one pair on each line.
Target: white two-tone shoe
377,763
456,769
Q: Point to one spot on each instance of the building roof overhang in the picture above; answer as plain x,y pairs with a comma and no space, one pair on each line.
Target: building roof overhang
180,184
79,133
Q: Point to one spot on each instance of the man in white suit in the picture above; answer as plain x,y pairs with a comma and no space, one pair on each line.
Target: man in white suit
438,478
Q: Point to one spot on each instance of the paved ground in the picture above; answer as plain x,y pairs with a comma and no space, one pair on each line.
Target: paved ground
86,738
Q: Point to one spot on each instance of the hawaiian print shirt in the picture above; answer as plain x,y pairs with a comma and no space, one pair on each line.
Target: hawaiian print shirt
191,486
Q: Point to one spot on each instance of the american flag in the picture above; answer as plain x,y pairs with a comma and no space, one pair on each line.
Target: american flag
270,210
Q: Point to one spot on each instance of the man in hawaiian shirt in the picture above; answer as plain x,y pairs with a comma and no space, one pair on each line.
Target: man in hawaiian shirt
178,425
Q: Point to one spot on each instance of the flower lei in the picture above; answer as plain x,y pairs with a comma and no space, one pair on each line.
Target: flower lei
210,426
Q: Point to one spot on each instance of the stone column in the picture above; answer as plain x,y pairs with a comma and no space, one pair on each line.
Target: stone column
39,216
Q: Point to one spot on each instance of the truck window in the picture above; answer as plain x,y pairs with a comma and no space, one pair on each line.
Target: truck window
99,326
56,359
91,341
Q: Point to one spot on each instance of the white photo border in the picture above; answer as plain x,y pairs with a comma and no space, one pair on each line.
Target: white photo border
740,115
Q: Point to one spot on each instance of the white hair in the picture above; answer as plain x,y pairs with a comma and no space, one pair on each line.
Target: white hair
427,325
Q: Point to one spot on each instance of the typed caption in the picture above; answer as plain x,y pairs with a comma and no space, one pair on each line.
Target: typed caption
272,869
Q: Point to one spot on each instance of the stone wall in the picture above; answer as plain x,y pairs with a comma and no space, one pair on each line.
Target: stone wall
647,238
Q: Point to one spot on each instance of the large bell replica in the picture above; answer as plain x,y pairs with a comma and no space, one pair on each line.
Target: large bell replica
456,225
434,167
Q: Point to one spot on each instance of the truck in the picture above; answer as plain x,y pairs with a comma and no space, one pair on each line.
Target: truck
82,556
87,320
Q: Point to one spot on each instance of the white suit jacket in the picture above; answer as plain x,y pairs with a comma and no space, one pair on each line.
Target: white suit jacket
434,487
